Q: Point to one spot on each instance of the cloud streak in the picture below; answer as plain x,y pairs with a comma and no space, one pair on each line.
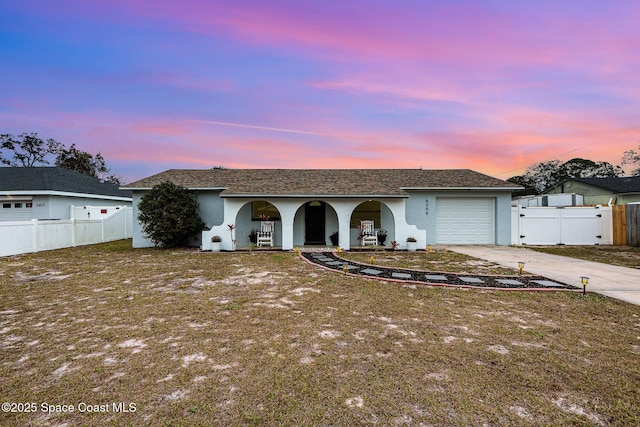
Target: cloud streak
266,128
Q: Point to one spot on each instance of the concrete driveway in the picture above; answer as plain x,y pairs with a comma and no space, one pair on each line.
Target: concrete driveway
617,282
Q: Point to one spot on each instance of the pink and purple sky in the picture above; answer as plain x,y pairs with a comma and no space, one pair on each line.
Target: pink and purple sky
490,85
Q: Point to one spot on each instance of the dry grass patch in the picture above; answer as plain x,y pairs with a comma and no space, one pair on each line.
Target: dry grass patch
266,339
624,256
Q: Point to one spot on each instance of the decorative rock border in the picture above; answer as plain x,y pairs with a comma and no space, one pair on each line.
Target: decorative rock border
331,261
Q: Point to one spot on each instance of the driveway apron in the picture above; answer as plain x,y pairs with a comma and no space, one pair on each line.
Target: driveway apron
622,283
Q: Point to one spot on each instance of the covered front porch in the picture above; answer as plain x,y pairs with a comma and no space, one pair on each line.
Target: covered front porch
311,222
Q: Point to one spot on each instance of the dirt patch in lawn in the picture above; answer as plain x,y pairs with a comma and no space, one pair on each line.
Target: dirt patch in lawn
188,338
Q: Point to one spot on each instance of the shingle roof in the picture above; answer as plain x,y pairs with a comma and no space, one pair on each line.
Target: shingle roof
336,182
55,179
619,185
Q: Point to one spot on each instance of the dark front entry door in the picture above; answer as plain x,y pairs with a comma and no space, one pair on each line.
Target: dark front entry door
314,223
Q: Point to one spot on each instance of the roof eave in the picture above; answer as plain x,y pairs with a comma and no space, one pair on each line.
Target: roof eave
64,194
627,193
315,196
188,188
463,188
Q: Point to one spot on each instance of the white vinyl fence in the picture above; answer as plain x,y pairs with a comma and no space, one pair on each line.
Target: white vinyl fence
584,225
19,237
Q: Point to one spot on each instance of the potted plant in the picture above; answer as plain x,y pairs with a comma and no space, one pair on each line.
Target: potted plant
412,244
382,236
334,238
216,243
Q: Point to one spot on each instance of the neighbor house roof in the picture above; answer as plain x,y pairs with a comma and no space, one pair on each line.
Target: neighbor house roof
41,180
325,182
618,185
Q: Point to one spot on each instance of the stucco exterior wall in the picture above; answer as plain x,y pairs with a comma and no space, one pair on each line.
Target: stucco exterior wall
58,207
291,226
401,217
140,240
594,195
422,205
211,208
503,219
623,199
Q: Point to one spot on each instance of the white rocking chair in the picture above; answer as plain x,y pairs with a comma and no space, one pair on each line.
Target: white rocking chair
368,234
265,235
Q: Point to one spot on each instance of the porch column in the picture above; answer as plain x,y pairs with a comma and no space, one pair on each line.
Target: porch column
344,232
286,219
287,210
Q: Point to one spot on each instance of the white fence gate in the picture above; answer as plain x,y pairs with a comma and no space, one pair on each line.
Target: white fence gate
19,237
584,225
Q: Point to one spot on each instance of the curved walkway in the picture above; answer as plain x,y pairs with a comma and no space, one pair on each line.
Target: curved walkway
331,261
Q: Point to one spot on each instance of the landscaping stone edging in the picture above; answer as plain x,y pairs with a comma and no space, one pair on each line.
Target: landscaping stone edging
331,261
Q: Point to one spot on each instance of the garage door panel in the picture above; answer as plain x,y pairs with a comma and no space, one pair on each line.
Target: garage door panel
15,210
465,220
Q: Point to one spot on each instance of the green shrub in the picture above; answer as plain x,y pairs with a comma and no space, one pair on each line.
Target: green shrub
168,214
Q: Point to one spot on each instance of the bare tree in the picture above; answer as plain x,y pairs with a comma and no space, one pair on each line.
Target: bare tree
86,163
27,150
542,176
631,157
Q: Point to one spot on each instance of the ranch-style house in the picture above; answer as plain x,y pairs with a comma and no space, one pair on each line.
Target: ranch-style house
318,206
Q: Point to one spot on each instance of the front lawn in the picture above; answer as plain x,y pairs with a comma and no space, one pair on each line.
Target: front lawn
186,338
623,256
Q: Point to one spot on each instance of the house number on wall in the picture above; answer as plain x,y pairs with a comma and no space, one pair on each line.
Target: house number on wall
426,208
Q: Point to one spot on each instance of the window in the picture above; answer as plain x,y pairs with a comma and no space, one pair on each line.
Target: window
261,208
28,205
17,205
6,206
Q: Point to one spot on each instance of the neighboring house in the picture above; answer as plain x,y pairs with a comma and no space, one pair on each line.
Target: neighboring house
308,206
551,200
48,192
599,191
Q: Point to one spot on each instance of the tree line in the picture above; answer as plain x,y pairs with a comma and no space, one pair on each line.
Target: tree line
29,150
544,175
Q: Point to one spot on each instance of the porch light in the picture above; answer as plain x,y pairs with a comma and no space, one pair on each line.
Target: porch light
520,267
315,203
585,281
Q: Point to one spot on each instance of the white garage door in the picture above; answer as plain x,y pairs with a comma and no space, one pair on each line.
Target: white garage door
15,210
465,221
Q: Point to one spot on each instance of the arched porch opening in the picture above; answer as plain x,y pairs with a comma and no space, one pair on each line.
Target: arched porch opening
382,218
248,221
315,222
